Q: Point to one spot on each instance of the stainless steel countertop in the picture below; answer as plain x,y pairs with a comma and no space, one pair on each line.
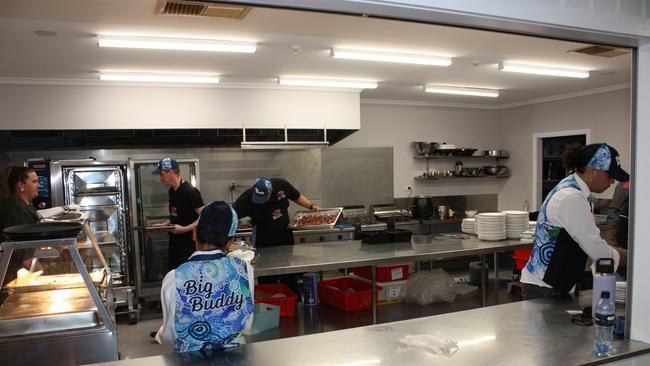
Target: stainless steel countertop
344,254
534,332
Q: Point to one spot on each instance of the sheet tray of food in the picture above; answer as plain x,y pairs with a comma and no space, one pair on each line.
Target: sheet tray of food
309,220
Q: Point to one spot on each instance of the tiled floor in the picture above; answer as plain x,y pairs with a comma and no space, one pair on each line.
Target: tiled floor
134,340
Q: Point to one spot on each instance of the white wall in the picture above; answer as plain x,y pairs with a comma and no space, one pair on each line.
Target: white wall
132,107
606,115
398,126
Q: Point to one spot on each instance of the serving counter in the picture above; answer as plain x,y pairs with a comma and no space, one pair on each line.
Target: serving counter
531,333
57,313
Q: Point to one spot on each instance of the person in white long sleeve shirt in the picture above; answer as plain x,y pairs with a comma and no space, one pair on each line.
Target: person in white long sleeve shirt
566,233
208,301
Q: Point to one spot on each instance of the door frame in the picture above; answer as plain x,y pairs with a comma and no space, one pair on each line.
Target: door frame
536,192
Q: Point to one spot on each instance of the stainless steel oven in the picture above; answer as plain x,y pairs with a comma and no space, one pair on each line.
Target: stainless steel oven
150,203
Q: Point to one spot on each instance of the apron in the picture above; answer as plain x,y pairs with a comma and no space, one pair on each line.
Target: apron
213,302
556,258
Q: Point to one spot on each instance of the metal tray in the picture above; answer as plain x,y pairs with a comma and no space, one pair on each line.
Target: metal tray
323,212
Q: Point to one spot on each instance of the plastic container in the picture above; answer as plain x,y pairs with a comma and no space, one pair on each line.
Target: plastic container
604,325
346,293
310,289
392,272
267,316
375,237
604,280
388,291
287,303
399,235
521,257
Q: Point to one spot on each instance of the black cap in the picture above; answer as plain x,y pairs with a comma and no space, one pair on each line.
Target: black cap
603,157
605,265
219,218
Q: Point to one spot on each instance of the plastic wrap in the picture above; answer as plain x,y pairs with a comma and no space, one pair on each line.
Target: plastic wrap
426,288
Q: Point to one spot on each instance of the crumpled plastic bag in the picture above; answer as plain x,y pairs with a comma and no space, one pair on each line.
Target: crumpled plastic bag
428,342
426,288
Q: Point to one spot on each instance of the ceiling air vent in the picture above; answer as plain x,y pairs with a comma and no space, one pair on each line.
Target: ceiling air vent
197,8
602,51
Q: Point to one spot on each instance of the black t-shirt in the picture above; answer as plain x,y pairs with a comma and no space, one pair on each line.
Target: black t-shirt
183,203
271,219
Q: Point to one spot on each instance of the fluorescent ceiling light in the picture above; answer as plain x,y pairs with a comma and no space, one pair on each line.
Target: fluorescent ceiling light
165,43
328,83
385,56
543,70
162,78
443,89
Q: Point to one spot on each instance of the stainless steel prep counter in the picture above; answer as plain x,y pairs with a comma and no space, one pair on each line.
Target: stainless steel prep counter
353,253
533,332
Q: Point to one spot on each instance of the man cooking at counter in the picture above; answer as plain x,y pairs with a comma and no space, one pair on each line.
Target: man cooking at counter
267,203
566,233
185,204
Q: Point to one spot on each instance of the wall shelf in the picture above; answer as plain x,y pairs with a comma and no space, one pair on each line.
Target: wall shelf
420,177
459,157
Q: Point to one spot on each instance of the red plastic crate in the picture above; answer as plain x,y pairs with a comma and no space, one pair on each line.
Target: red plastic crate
521,257
335,292
287,304
391,272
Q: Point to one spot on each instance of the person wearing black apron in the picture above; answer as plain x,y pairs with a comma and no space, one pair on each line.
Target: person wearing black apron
267,204
566,234
185,204
617,220
207,301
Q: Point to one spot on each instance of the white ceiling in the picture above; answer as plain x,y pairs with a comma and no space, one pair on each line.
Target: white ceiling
74,54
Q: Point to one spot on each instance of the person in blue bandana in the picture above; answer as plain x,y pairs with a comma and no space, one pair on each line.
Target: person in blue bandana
566,233
208,301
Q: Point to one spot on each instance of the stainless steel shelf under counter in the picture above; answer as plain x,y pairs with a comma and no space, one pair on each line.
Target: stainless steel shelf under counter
58,313
532,333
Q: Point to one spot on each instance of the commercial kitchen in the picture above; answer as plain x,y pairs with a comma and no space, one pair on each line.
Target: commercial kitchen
386,153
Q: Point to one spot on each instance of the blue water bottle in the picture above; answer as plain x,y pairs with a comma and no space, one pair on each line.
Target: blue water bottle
604,325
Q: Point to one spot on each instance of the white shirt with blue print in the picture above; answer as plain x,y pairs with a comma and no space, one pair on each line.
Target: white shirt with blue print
569,208
169,294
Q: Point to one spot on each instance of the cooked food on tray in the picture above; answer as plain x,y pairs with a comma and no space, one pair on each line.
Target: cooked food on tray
311,220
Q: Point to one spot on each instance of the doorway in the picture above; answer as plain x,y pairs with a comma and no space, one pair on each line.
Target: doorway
548,169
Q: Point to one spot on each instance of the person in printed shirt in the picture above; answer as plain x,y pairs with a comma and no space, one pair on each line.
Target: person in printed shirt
267,204
207,302
566,233
185,204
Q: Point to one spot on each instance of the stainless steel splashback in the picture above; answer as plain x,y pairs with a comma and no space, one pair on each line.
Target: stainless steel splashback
357,176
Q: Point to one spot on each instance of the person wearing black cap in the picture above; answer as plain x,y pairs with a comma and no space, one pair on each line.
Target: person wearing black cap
566,234
185,204
208,301
267,204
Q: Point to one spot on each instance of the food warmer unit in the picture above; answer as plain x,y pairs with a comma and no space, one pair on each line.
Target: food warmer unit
58,312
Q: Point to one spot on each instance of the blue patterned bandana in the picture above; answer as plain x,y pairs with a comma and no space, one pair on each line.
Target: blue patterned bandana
602,159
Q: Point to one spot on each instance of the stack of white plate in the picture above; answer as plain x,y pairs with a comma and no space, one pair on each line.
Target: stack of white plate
516,223
468,226
491,226
621,291
532,225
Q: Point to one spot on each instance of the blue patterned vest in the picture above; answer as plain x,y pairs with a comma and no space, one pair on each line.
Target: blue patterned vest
213,302
556,258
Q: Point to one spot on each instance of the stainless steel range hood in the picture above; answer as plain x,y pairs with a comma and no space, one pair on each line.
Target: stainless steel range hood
284,145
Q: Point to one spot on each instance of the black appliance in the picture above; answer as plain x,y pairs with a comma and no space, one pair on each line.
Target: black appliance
42,169
421,207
